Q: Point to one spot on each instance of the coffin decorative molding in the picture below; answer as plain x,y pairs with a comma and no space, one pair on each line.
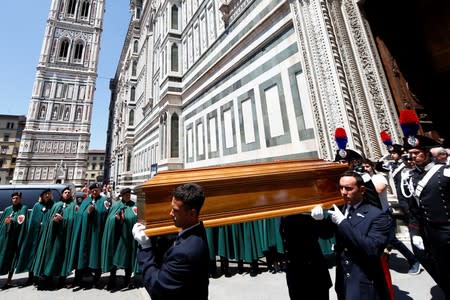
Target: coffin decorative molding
241,193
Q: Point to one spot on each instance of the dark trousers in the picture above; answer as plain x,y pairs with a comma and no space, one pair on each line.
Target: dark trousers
397,244
438,237
302,286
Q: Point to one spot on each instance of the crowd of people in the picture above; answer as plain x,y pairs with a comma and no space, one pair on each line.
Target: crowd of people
60,237
99,235
418,174
363,229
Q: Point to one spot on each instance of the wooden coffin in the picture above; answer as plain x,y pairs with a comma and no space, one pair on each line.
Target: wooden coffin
240,193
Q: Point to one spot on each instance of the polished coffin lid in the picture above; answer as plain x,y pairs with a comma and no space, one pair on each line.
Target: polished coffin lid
241,193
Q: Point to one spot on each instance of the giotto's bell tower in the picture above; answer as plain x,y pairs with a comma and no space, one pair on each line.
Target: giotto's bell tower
56,138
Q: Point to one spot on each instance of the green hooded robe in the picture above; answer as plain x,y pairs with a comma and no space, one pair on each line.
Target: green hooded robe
118,244
52,254
28,252
87,235
11,236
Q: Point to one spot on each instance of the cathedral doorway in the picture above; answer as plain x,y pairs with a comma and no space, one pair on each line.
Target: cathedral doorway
413,40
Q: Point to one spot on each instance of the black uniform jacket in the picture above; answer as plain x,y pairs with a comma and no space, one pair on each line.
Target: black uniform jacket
360,242
183,272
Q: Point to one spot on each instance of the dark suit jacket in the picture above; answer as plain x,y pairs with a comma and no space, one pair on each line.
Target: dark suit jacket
305,261
183,272
360,241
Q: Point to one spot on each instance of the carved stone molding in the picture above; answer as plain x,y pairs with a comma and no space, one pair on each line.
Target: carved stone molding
377,111
319,66
345,78
60,32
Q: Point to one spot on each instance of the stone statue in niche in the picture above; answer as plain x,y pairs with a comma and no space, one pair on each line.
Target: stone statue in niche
55,113
78,114
42,112
66,114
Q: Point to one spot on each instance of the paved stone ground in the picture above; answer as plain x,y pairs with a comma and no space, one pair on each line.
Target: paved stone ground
265,286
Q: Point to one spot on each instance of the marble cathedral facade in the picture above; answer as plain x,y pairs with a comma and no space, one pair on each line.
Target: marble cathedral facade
206,83
55,141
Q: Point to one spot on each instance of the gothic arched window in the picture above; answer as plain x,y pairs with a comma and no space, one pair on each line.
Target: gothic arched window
85,9
163,130
174,146
131,118
63,49
174,58
136,47
138,9
78,54
71,7
174,24
128,161
134,68
132,94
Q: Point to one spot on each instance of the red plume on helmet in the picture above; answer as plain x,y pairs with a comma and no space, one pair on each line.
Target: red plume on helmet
386,138
341,137
409,122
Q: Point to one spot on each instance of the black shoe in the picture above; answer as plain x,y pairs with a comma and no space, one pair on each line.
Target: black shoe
7,286
127,284
28,282
75,283
78,288
61,283
98,285
240,267
224,267
130,286
96,280
44,284
276,268
414,268
112,283
254,269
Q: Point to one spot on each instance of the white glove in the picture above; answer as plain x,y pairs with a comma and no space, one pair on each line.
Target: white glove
336,215
418,242
140,236
317,213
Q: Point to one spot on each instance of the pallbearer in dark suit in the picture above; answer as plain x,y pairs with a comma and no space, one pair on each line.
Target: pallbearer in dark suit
183,271
306,266
362,232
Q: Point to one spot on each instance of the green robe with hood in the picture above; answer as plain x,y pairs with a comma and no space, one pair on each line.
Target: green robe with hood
11,236
87,235
118,244
34,229
52,254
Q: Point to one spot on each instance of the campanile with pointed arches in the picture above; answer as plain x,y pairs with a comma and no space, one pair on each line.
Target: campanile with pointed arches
55,142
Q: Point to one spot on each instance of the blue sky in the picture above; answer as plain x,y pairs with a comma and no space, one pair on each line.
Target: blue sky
22,32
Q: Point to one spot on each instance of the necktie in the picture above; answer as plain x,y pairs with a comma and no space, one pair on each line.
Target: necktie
351,210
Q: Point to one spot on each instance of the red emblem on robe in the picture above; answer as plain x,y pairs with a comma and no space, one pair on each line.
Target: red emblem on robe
20,219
